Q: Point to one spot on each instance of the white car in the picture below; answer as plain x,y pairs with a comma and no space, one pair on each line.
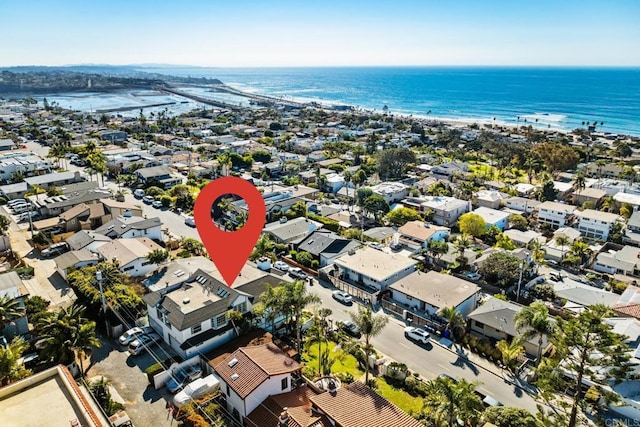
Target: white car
297,273
133,334
143,341
190,221
198,388
342,297
281,265
157,204
139,193
417,334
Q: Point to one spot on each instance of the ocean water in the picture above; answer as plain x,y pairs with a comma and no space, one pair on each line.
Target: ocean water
559,98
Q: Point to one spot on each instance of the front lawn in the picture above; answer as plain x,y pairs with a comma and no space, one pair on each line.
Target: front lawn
403,400
343,361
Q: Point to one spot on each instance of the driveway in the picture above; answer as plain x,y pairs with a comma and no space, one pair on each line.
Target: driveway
145,405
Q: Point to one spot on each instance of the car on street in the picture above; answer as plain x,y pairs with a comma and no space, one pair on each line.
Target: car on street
472,276
133,334
143,342
417,334
157,204
190,221
55,249
198,388
297,273
148,199
343,297
350,328
182,376
281,265
487,400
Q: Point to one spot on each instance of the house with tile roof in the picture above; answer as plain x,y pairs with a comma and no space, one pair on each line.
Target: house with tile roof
251,374
629,302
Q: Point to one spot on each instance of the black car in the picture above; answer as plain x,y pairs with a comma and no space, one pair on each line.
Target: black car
350,328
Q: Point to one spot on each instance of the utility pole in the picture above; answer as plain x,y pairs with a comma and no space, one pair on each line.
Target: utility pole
31,219
520,281
102,298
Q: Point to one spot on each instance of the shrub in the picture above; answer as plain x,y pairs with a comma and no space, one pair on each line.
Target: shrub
158,367
345,377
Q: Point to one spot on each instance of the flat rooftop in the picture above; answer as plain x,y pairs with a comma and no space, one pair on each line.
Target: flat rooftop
374,263
49,399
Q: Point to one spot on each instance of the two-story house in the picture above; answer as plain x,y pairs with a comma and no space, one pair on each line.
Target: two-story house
158,175
373,268
493,217
595,224
442,210
417,235
251,374
325,246
130,254
624,261
192,317
392,192
632,231
522,204
555,214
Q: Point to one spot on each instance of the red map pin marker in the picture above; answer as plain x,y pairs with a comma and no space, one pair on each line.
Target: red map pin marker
229,250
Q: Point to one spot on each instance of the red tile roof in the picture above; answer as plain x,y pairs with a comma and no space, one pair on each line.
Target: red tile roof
298,409
253,366
356,405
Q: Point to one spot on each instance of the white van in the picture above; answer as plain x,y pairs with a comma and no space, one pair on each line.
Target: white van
139,193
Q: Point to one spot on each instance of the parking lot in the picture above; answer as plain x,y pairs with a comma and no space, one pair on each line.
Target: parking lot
144,405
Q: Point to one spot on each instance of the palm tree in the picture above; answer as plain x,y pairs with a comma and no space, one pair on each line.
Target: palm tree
347,179
455,320
370,326
579,182
538,252
264,246
580,250
10,309
437,248
510,351
462,243
83,342
10,367
447,401
297,299
65,334
534,321
562,241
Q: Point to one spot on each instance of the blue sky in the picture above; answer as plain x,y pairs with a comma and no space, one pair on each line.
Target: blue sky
321,33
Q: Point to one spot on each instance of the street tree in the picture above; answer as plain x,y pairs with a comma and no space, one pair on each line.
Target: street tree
455,322
534,322
586,349
370,326
448,401
472,224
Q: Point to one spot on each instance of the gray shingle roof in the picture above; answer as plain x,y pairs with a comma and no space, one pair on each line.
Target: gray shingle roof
119,225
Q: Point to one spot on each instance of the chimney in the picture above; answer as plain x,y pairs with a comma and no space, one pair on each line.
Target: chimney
283,419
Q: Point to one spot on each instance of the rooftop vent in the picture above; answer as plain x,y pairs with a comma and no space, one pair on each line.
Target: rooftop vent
186,300
233,362
235,377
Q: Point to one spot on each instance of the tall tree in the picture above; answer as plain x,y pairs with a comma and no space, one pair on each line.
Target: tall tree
447,401
534,321
562,241
472,224
510,351
586,349
393,161
370,326
579,182
455,320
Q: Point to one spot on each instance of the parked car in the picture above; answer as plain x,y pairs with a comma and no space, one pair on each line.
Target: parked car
281,265
14,202
487,400
297,273
18,209
148,199
157,204
133,334
190,221
55,249
472,276
198,388
417,334
26,215
350,328
395,247
448,377
139,193
182,376
375,245
342,297
143,342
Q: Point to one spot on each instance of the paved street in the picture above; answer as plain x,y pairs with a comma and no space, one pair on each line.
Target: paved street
432,360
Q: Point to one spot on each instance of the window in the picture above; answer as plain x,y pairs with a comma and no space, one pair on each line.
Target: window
219,321
242,307
285,383
196,329
131,267
146,263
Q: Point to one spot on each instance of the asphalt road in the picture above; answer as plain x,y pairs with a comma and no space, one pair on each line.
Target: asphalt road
431,360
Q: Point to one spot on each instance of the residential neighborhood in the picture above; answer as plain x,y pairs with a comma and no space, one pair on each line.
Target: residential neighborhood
401,259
